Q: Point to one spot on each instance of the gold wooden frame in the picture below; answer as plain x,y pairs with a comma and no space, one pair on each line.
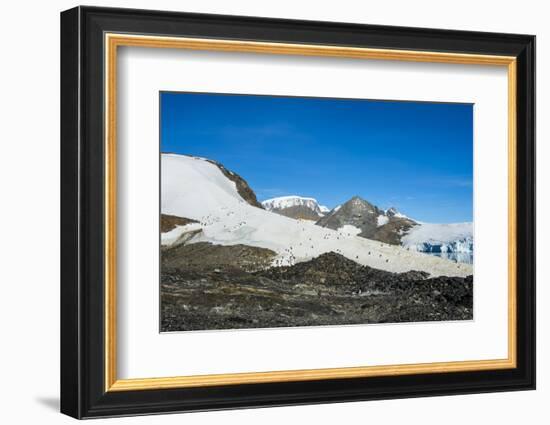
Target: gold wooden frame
113,41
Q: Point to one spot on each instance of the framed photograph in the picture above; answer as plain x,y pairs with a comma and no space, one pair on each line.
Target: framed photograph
261,212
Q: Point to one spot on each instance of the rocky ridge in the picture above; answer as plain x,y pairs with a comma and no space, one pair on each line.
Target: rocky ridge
369,221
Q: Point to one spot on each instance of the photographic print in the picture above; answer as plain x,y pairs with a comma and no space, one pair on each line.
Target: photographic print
323,197
283,211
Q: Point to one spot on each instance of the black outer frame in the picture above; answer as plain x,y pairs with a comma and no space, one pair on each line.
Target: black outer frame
82,206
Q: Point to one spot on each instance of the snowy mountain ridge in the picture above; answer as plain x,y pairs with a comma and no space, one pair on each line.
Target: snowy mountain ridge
284,202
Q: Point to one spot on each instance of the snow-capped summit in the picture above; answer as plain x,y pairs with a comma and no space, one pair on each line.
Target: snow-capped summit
299,207
393,212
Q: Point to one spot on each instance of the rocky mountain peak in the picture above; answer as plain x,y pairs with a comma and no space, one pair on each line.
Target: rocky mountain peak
392,212
358,203
370,221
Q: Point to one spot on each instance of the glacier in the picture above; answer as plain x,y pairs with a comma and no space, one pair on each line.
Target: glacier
453,241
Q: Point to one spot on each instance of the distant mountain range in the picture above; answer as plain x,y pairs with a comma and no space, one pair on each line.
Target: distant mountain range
202,201
361,218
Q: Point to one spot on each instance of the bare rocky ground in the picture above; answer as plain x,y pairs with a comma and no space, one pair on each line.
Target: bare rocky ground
207,286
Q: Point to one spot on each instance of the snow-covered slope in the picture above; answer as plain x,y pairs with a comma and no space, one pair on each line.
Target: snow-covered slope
196,189
444,238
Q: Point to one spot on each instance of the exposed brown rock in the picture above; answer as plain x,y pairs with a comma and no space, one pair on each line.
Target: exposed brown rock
392,231
169,222
242,186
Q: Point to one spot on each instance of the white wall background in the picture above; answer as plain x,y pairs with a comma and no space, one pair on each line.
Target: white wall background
29,217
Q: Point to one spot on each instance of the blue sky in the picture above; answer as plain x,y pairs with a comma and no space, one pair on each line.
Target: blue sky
416,156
